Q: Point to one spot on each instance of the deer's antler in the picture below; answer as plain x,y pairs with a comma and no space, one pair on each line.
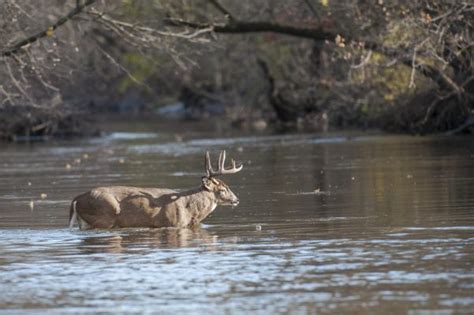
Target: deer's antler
221,170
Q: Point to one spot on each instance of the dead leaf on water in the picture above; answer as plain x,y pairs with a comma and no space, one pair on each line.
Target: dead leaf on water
178,138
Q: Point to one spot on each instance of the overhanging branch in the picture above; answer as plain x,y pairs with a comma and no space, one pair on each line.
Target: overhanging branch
44,33
318,34
239,27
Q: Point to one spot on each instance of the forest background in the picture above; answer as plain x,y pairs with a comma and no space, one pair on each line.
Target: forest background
403,66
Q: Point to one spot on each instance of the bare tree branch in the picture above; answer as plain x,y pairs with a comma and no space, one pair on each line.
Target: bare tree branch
44,33
125,70
318,34
238,27
142,30
18,85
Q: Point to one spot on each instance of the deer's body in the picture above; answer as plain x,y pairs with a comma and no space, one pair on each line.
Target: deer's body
121,206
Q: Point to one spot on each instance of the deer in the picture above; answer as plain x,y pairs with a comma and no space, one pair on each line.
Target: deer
126,207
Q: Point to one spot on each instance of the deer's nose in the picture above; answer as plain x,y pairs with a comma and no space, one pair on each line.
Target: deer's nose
235,202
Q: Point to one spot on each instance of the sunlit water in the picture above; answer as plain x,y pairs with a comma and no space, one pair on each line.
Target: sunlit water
326,224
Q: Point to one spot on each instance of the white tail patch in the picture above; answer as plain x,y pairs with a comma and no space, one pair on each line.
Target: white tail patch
74,215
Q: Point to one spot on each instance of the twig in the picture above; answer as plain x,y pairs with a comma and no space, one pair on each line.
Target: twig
8,96
413,70
414,65
363,62
120,25
18,85
38,74
125,70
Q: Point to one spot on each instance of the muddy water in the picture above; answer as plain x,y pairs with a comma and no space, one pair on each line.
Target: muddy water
326,224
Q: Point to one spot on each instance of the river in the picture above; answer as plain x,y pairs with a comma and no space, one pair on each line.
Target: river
326,224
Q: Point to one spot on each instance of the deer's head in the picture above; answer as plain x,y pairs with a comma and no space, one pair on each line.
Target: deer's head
222,192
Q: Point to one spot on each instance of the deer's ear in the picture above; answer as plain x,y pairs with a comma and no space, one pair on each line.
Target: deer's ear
207,183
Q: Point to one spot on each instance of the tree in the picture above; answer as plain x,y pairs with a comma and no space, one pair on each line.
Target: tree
405,65
433,39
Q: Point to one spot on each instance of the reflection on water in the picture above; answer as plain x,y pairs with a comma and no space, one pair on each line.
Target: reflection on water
325,225
126,242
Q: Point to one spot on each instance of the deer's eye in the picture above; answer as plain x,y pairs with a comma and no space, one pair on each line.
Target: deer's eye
221,191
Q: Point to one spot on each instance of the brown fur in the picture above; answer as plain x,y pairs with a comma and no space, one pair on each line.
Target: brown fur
120,206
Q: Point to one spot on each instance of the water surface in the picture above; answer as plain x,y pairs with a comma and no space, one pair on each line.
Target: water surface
326,224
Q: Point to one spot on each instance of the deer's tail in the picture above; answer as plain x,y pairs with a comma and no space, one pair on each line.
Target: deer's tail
72,214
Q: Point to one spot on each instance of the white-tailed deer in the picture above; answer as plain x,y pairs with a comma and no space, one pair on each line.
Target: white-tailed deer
120,206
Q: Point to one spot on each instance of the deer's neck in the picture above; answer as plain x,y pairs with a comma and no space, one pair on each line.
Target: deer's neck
199,203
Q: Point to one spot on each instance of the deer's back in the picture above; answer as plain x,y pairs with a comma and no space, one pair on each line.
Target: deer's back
121,206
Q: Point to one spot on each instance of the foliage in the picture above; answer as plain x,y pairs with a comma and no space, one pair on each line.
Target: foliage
399,65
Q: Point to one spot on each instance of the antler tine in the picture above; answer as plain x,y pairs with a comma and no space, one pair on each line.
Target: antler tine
207,165
221,161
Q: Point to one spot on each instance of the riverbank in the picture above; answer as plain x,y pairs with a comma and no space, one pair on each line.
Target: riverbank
35,124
